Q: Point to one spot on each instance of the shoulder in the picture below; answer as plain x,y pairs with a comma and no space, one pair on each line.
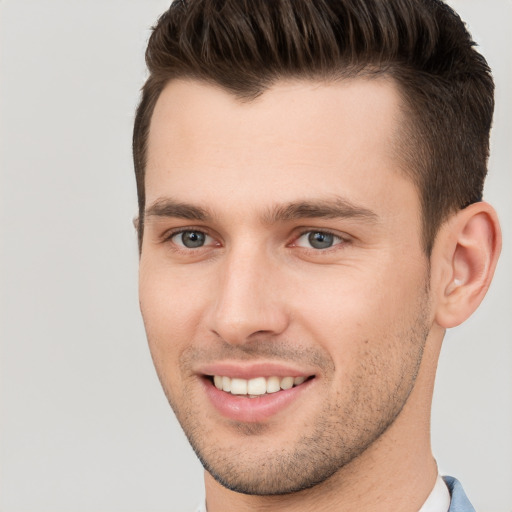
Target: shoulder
459,500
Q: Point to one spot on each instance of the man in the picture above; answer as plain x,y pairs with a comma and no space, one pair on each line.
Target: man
309,177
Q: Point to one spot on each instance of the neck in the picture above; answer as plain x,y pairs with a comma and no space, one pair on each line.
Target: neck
395,474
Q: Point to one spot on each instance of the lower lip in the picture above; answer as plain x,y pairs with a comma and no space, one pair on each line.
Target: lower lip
253,410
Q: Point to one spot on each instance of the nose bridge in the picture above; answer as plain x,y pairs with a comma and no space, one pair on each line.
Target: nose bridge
247,300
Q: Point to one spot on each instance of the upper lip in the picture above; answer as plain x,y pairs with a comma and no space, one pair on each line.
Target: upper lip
251,370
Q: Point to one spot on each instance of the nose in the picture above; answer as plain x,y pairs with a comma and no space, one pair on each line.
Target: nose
248,299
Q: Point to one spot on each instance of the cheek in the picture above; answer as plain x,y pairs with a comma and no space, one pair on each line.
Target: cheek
376,343
171,309
356,312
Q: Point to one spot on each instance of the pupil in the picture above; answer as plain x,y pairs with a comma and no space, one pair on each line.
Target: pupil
192,239
320,240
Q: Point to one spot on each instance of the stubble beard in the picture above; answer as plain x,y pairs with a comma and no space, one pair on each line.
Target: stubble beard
340,433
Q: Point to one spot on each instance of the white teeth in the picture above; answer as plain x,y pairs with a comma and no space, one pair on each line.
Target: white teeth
226,384
218,381
286,382
273,385
257,386
238,387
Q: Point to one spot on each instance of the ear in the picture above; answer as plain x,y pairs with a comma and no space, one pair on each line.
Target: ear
463,261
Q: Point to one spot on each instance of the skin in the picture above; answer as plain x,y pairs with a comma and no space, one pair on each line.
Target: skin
365,317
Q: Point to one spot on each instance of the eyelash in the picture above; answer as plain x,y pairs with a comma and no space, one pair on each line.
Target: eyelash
340,241
168,236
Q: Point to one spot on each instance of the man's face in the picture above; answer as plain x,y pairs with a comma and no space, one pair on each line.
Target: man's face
282,242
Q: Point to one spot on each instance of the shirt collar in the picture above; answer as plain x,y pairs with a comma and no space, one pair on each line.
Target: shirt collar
439,498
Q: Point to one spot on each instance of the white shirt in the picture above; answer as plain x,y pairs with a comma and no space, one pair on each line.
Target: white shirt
438,500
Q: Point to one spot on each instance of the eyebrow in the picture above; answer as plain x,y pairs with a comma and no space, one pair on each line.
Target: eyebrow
170,208
336,208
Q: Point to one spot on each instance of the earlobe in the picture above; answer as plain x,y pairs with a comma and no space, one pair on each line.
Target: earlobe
471,243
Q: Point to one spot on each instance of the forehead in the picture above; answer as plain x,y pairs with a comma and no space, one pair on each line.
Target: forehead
297,138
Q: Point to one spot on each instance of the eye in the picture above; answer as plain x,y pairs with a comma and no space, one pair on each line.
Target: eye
191,239
318,240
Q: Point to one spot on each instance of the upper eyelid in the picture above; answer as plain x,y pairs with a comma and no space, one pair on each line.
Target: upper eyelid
341,235
327,231
343,240
169,233
300,231
179,248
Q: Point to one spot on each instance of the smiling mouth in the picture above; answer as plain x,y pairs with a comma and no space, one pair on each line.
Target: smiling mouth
258,386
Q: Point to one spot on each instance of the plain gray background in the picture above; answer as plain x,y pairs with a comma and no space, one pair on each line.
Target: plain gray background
84,424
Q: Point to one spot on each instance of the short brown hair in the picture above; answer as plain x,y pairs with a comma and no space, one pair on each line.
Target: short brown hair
247,45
